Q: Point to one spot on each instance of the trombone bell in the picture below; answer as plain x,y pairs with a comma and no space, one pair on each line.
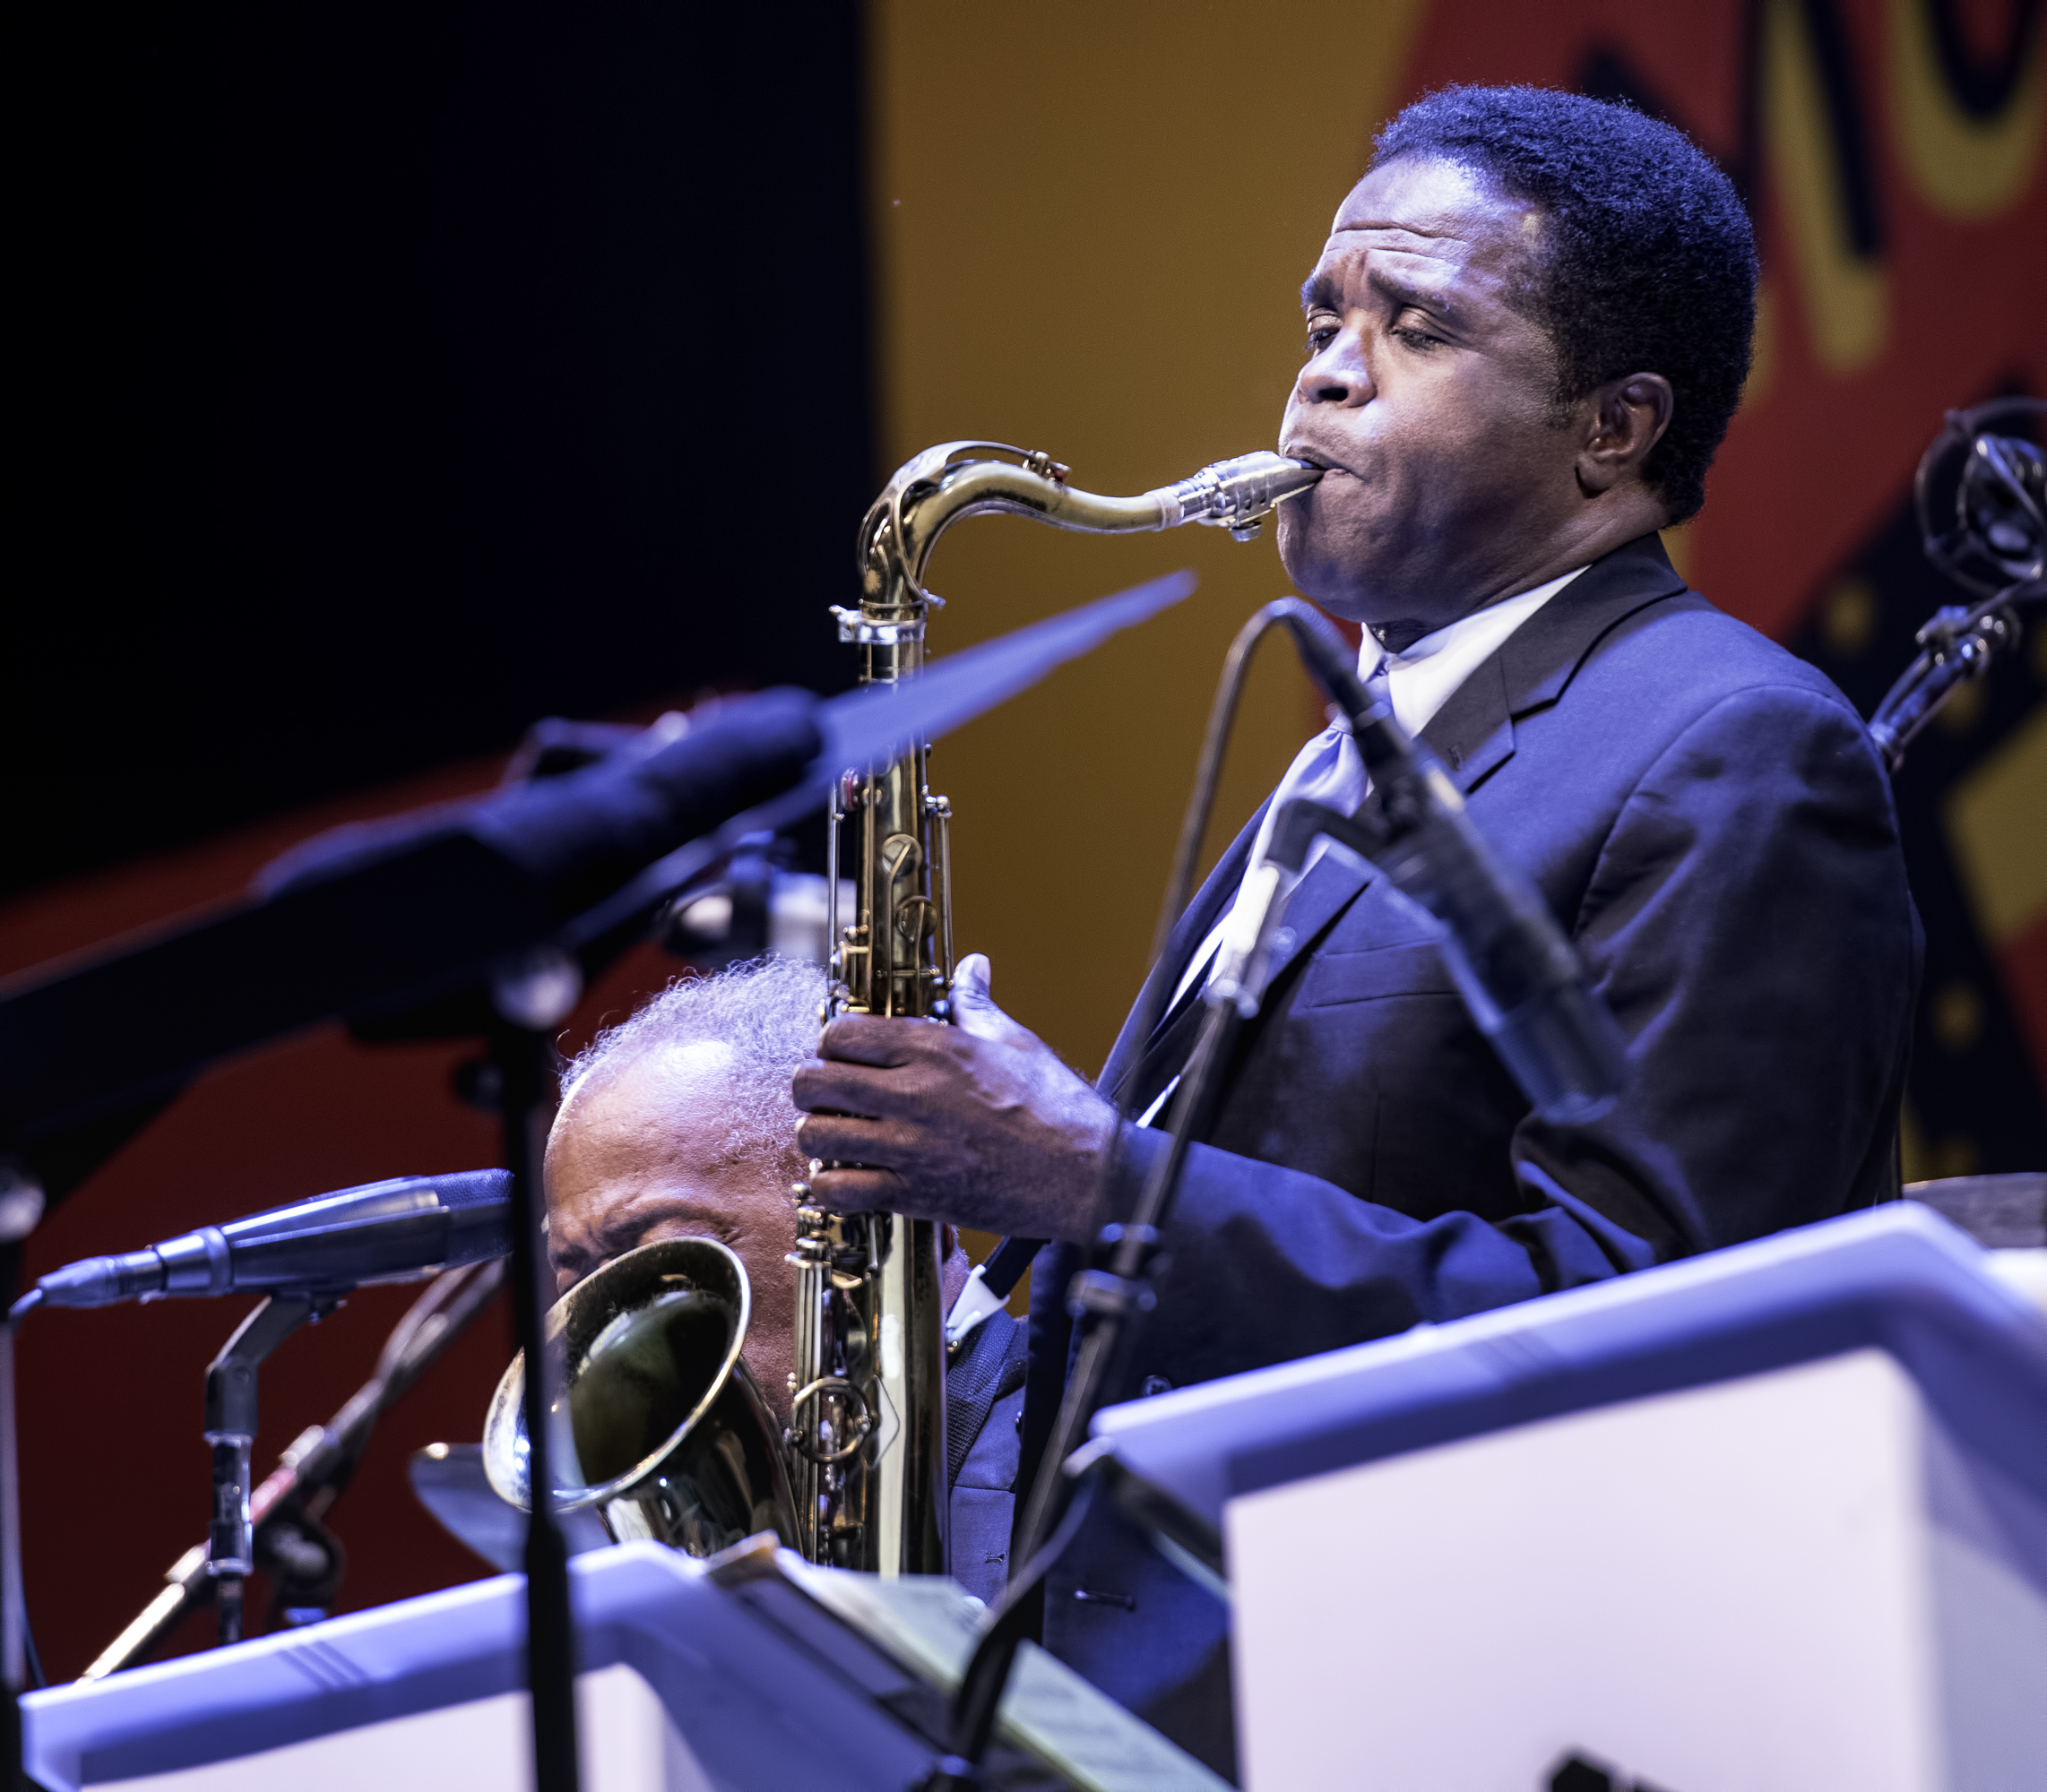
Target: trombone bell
659,1430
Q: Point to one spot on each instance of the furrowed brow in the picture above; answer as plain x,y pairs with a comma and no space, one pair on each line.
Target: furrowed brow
615,1230
1399,294
1318,291
626,1225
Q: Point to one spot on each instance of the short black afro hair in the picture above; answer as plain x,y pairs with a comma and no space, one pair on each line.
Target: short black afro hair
1647,261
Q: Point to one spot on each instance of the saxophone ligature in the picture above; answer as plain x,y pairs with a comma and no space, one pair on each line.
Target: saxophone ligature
866,1438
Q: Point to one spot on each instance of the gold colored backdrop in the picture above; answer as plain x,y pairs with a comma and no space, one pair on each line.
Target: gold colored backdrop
1089,228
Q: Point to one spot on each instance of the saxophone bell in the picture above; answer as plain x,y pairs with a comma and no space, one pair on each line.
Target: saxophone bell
660,1429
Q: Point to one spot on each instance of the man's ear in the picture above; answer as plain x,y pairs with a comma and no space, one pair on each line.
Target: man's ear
1623,420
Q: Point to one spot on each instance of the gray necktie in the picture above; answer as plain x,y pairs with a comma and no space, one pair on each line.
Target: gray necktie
1330,770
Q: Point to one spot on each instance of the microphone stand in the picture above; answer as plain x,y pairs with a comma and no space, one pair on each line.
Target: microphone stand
533,994
1109,1302
1994,548
230,1430
14,1649
286,1509
406,911
1957,647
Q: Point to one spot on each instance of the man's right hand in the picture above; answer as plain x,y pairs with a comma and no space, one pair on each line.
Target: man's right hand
979,1123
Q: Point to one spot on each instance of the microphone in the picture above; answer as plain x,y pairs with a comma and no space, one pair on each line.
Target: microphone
377,1231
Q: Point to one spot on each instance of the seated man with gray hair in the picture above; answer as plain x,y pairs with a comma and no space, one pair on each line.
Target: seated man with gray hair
678,1123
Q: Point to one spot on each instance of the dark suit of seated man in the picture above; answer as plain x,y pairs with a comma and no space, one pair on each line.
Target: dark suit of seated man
677,1123
1526,335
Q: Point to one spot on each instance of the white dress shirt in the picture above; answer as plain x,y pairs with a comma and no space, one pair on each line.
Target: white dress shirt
1417,682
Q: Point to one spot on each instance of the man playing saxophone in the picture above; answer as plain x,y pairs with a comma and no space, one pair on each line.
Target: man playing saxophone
1526,332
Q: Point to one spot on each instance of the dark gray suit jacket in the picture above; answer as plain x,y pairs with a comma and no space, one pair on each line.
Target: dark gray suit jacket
1707,818
984,1412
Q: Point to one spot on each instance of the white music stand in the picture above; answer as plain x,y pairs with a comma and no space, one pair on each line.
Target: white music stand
754,1671
1771,1518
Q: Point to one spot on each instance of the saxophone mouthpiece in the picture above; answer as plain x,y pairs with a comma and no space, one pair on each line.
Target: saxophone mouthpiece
1237,495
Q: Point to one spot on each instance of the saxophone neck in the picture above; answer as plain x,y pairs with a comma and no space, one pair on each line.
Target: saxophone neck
934,490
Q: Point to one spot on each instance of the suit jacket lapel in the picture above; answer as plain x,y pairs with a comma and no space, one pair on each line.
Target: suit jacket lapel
1188,932
1332,882
1332,885
1473,732
1146,1075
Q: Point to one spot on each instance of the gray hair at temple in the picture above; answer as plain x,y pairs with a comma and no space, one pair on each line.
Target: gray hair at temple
765,1009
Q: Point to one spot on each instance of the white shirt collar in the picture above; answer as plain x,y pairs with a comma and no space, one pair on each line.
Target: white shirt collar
1421,676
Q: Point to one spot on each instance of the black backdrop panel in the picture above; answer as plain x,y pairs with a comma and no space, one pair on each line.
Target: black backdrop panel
405,373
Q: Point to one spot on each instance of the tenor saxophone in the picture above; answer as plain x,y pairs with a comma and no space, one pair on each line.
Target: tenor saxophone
666,1435
867,1435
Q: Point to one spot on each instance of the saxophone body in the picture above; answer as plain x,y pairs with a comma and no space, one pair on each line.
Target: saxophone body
867,1439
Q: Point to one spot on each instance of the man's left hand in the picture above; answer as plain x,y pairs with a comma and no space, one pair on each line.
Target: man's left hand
979,1123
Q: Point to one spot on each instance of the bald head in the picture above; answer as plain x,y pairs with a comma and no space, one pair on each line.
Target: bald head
678,1123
